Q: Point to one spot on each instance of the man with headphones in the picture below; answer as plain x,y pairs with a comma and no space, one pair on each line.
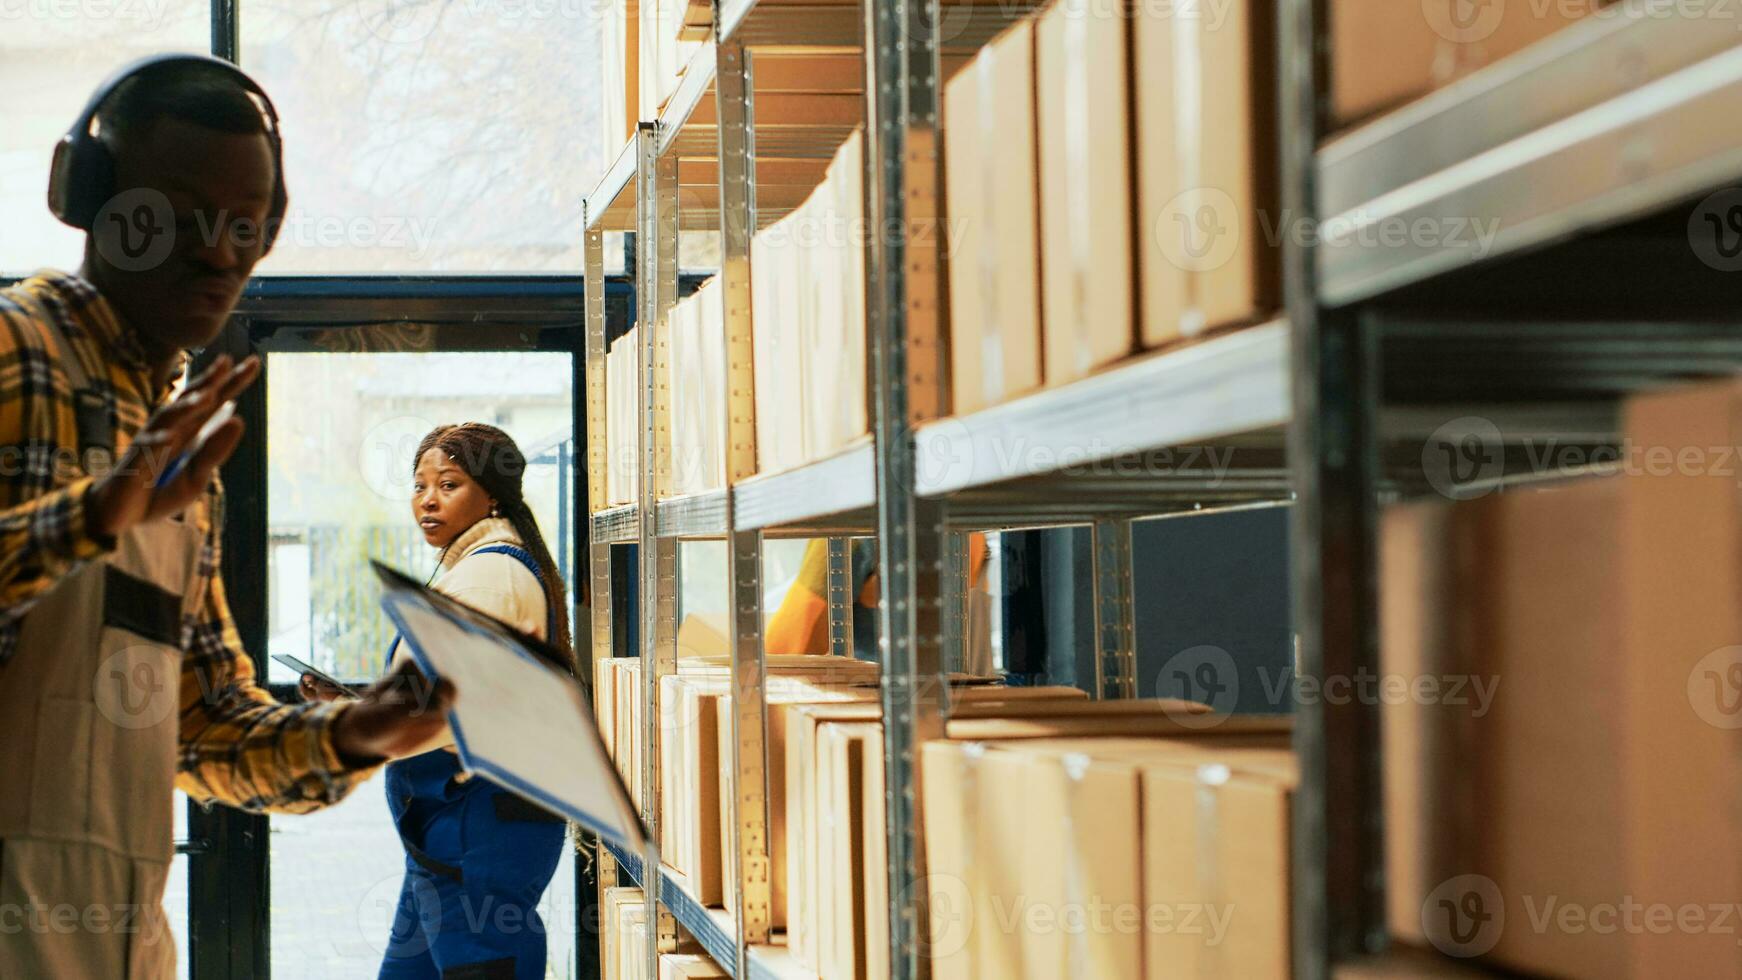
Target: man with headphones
122,675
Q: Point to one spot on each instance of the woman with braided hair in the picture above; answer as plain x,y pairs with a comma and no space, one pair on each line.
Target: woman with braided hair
478,857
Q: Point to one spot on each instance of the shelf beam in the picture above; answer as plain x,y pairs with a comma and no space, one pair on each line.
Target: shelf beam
1615,117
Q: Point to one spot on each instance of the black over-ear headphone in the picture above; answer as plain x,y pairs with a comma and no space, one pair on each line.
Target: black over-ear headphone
82,176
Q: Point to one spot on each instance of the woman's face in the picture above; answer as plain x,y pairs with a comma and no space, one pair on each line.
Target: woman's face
444,500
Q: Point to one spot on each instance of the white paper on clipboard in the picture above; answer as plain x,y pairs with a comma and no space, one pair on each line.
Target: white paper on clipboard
517,720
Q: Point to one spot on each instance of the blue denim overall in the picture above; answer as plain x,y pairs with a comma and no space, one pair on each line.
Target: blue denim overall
477,859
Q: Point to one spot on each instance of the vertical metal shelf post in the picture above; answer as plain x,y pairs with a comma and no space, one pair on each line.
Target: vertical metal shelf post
656,291
1115,613
1338,847
598,556
599,553
902,319
754,897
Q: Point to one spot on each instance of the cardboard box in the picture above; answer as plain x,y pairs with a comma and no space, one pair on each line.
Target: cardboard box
992,711
1598,599
778,346
808,297
1108,857
1683,557
1207,184
1384,54
992,186
622,419
841,783
1086,187
697,366
688,966
617,906
833,264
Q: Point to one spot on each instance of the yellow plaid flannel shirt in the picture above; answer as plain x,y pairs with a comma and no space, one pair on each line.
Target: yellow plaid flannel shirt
238,745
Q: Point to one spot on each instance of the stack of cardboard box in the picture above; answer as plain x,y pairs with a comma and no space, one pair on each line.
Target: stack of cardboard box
1111,176
1109,857
808,298
1563,779
836,831
698,392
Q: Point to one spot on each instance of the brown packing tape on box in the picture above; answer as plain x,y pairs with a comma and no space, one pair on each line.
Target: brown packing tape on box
993,190
1086,187
1207,182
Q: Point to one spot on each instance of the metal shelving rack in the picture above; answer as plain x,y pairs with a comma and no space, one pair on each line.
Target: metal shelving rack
1615,119
919,480
1306,407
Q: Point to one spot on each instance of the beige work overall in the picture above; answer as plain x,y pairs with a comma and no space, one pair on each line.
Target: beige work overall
89,709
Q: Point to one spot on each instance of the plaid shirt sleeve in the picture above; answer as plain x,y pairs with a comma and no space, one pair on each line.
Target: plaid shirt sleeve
238,745
43,536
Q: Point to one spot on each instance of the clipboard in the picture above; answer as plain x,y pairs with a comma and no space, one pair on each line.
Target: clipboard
522,721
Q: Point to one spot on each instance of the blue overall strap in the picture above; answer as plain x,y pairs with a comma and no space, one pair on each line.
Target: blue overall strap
525,558
512,551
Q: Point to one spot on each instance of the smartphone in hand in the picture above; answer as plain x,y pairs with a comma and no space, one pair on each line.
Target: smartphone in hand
304,667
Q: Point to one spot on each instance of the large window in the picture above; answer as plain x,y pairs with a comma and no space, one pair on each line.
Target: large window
419,136
432,137
53,53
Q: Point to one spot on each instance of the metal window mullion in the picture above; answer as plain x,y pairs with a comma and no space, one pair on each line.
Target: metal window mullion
901,190
1115,624
840,596
752,910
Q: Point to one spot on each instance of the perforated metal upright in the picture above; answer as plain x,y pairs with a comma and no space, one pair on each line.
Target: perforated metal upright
753,909
902,176
656,293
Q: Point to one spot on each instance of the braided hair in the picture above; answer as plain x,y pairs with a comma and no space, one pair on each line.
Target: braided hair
489,456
